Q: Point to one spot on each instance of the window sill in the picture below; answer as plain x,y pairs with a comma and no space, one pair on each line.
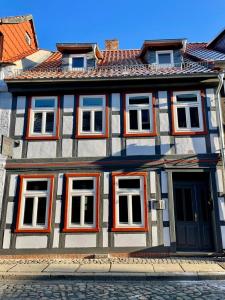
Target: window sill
68,230
127,229
184,133
48,230
92,136
141,134
40,138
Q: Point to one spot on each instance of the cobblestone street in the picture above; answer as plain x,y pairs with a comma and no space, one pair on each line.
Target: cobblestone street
65,289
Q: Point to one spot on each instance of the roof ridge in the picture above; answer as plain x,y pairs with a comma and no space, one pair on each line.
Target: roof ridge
16,19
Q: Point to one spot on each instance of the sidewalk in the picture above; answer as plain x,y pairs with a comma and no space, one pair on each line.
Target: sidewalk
114,269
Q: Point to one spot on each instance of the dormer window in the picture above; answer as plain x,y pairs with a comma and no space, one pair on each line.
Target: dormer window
164,58
78,62
28,38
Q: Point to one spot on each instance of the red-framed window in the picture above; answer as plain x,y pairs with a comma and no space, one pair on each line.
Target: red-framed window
130,201
43,118
82,202
35,203
139,114
92,116
188,113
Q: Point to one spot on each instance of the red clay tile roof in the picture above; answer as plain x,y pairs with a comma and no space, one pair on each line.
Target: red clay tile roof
122,63
15,46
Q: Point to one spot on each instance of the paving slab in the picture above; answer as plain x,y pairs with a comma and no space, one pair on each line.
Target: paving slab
202,268
61,268
133,268
33,268
165,268
93,268
6,267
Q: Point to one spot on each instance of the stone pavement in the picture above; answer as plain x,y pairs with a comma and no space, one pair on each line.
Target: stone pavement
114,268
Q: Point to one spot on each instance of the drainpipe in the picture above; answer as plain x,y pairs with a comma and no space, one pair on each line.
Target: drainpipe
220,118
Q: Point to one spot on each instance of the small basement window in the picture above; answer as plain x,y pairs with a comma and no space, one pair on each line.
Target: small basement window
129,202
82,202
35,203
43,117
164,58
188,112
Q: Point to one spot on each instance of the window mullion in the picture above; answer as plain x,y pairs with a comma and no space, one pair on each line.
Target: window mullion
82,208
43,125
139,120
34,216
92,121
130,218
187,112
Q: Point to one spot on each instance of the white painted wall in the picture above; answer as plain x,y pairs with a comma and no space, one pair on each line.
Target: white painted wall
115,102
67,147
41,149
189,145
130,240
29,242
91,148
82,240
140,146
116,146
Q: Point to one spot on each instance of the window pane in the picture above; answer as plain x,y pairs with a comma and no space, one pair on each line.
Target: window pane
179,204
138,100
136,208
181,115
37,122
92,101
98,121
41,210
188,205
83,184
187,98
133,119
77,62
44,103
89,210
75,210
28,211
194,117
86,121
164,58
145,119
49,122
37,185
123,209
129,183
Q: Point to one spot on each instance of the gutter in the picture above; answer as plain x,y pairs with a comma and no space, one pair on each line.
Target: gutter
220,118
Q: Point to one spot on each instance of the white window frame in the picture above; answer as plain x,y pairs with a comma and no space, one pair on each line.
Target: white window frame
77,56
34,110
92,110
139,108
187,105
82,193
171,64
28,38
35,195
129,193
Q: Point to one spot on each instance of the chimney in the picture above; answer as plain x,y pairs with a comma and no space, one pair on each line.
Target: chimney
111,44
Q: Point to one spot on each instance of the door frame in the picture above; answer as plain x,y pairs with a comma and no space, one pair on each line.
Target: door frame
215,213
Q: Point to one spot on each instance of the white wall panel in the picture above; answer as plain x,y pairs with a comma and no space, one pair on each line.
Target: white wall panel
60,184
13,185
219,180
115,123
164,122
67,147
166,236
41,149
163,103
6,239
130,240
115,102
105,237
17,151
91,148
68,105
116,146
164,182
19,126
223,235
215,144
154,236
210,96
140,146
221,204
165,147
212,119
9,214
58,212
68,125
80,240
188,145
31,242
152,182
56,238
21,104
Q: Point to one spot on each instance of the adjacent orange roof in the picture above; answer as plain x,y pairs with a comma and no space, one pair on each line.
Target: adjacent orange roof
15,32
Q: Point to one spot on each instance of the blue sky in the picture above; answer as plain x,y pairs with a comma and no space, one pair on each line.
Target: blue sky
131,21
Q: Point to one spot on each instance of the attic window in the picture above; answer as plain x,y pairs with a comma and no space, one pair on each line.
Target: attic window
78,62
28,38
164,58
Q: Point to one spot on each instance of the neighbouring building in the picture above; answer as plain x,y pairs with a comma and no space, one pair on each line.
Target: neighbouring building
116,151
